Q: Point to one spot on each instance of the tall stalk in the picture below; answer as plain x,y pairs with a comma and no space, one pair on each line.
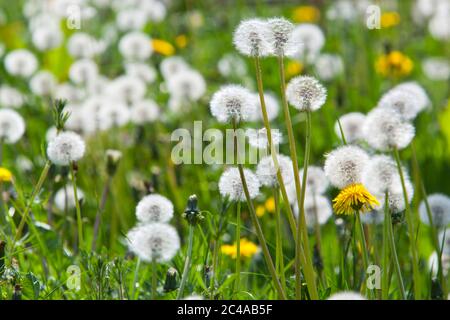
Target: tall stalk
238,246
187,262
154,279
411,229
302,233
386,244
100,211
279,239
77,206
365,253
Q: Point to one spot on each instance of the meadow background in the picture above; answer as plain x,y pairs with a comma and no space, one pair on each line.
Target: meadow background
201,32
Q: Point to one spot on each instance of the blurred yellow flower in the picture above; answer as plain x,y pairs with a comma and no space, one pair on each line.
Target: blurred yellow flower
394,64
5,175
270,205
389,19
354,197
181,41
163,47
248,249
260,210
293,68
306,14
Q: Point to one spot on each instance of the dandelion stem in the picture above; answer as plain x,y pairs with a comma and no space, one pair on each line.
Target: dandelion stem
77,206
386,243
187,262
238,246
411,228
100,211
154,279
301,233
279,239
135,279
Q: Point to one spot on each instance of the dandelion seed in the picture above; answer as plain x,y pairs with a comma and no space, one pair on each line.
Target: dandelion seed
380,174
82,46
352,125
437,69
10,97
131,19
306,93
230,184
328,66
12,126
385,129
65,198
171,66
46,37
316,182
154,242
113,114
267,172
282,42
419,93
144,111
232,101
135,46
253,38
65,148
127,89
311,40
188,84
21,62
401,101
440,210
43,83
154,208
83,71
142,71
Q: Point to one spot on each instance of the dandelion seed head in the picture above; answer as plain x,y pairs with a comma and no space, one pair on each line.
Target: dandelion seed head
401,101
154,242
396,198
232,101
43,83
316,207
267,172
419,93
352,126
144,111
188,84
311,40
281,38
436,68
154,208
83,71
328,66
385,129
46,37
380,173
10,97
272,107
12,126
439,208
306,93
65,148
65,198
131,19
171,66
142,71
113,114
345,165
346,295
82,45
253,38
127,89
21,63
230,184
259,139
316,181
135,46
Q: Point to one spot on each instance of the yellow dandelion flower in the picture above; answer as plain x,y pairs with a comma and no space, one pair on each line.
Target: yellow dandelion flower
306,14
5,175
389,19
248,249
163,47
354,197
270,205
293,68
260,210
181,41
394,64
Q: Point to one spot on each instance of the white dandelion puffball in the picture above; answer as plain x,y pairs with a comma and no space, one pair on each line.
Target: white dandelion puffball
345,165
401,101
306,93
187,84
253,37
328,66
230,184
267,172
154,208
131,19
419,93
127,89
352,126
232,101
112,115
154,242
21,62
65,198
142,71
155,10
69,92
438,25
259,139
437,69
316,208
83,71
144,111
272,107
380,174
43,83
311,40
281,39
232,65
10,97
135,46
171,66
346,295
12,126
65,148
47,37
82,45
385,129
316,180
439,208
396,199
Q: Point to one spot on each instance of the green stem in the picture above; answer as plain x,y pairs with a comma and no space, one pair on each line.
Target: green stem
279,239
364,250
386,242
155,279
302,233
77,206
411,228
135,279
238,246
187,262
